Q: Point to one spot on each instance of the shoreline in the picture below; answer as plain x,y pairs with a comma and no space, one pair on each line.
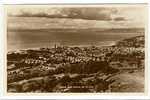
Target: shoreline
80,46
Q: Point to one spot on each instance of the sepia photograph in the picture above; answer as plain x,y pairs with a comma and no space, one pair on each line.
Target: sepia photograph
76,48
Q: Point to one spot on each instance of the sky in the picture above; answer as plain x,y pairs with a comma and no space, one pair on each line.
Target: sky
99,16
24,24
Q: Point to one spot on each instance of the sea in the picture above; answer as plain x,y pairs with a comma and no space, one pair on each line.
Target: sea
19,38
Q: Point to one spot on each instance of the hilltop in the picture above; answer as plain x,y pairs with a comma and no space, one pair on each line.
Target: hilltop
136,42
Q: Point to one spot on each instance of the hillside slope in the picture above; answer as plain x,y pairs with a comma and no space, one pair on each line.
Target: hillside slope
136,42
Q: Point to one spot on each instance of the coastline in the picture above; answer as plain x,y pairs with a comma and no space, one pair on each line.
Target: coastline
101,44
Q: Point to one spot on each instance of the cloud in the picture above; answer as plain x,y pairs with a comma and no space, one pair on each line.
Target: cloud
74,13
112,15
89,13
119,19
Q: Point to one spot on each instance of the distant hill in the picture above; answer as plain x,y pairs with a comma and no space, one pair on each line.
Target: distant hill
137,41
102,30
126,30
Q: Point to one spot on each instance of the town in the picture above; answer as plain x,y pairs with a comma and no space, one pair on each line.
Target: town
85,69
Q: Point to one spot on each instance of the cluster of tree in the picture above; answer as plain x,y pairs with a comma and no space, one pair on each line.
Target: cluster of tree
53,84
16,56
28,74
79,68
46,84
89,67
